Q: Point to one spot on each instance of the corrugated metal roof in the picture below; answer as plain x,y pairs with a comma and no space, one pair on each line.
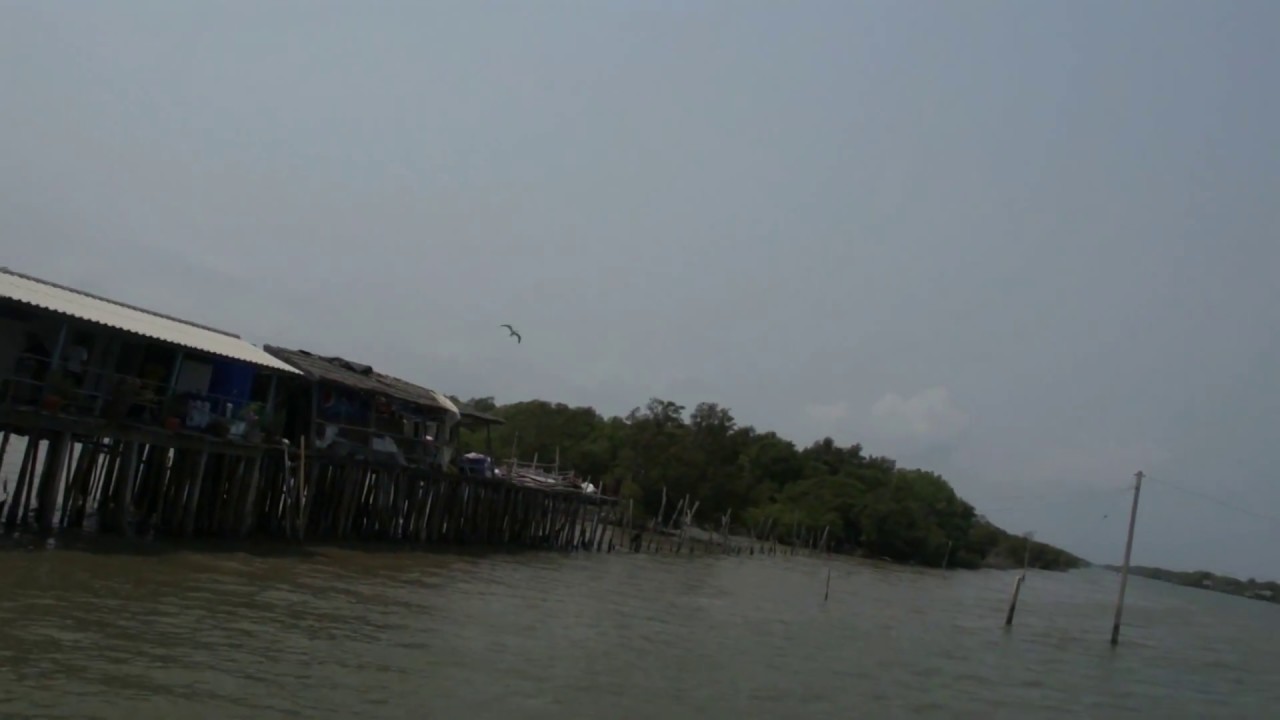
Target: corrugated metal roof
361,377
101,311
484,417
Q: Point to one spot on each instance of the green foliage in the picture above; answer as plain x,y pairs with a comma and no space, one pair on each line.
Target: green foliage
864,504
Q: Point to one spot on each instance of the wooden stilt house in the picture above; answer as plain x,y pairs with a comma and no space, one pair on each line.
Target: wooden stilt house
348,409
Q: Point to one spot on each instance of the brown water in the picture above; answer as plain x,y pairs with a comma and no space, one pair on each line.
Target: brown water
102,633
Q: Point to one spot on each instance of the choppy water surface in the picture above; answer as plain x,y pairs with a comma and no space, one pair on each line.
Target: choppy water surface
103,633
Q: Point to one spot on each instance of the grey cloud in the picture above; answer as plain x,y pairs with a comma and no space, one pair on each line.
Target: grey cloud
794,211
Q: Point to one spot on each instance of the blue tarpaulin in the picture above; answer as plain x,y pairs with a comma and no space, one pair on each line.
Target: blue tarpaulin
232,381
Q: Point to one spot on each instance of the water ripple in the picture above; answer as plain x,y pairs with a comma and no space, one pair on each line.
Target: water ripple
345,633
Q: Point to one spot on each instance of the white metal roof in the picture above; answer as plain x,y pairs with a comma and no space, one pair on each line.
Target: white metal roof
91,308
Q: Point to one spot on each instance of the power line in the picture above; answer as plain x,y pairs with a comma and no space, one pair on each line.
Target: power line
1107,493
1217,501
1043,498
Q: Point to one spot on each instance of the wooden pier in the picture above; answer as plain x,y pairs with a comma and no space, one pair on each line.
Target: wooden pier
146,482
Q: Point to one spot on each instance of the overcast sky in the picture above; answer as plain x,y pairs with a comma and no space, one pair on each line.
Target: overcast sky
1031,246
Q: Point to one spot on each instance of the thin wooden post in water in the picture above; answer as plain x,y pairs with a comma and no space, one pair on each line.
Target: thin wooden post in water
1017,584
670,524
29,488
1128,550
51,480
299,491
4,446
125,476
75,473
595,524
78,484
106,485
14,509
99,483
657,523
827,593
1013,601
193,494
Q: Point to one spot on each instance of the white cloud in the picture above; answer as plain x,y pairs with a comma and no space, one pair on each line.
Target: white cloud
829,412
929,415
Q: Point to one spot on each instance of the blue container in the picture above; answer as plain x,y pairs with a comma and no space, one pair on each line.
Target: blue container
232,381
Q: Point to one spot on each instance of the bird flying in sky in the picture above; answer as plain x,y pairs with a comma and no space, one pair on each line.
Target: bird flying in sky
513,332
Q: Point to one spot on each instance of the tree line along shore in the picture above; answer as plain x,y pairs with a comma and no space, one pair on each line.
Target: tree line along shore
862,504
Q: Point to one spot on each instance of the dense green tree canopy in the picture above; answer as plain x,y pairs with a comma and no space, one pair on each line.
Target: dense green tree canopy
864,504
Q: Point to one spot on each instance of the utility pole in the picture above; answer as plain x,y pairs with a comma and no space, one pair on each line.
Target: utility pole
1128,550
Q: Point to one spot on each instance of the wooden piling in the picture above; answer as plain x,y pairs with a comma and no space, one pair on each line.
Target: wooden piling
51,481
129,480
82,483
106,486
1017,585
4,446
1128,551
124,490
17,509
1013,600
13,513
193,494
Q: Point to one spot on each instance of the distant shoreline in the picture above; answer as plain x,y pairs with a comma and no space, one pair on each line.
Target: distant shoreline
703,541
1266,591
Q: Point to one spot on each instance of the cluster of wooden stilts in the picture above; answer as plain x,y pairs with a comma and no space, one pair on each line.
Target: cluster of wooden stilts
151,483
677,533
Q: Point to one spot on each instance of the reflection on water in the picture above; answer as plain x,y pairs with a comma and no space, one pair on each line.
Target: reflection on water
97,632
